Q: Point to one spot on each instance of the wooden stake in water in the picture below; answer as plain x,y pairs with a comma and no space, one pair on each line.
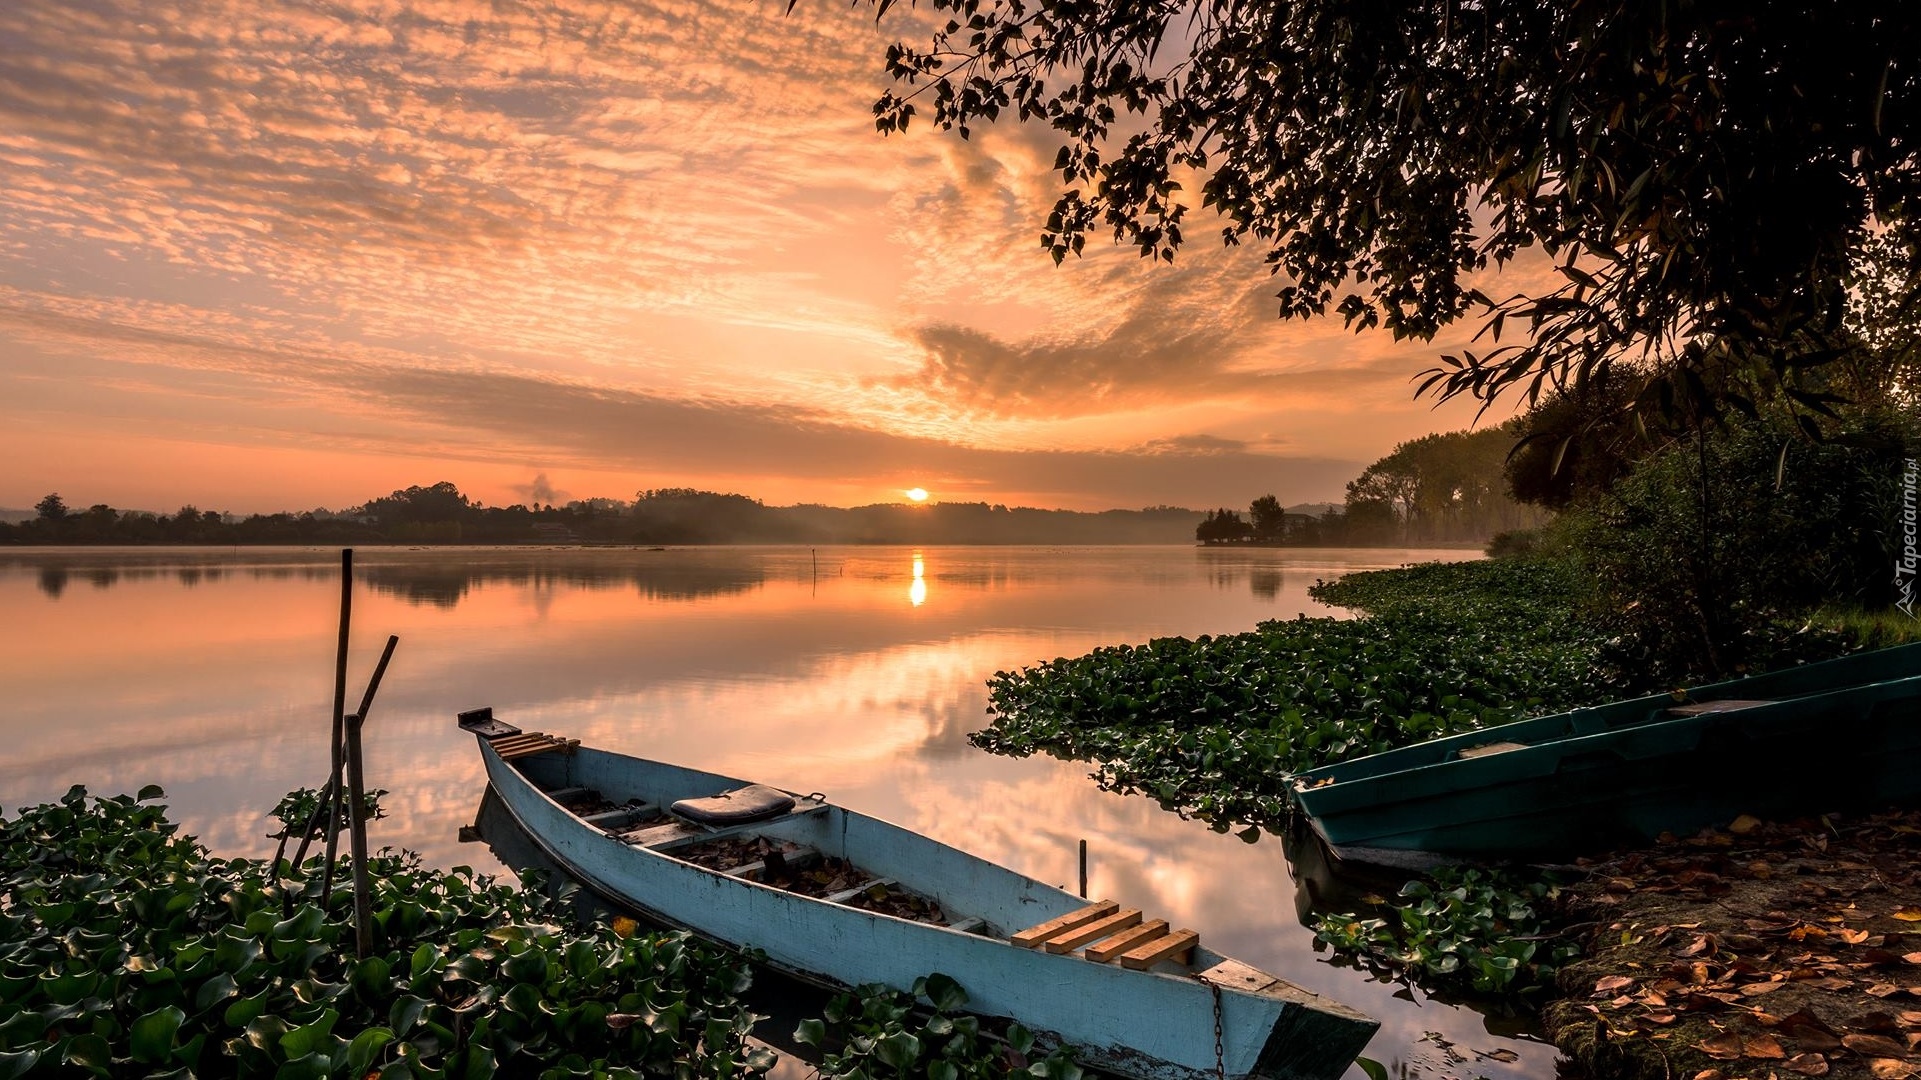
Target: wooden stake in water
338,746
1083,869
357,833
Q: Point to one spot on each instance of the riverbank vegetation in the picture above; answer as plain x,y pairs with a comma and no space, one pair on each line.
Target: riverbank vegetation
442,514
1213,725
1442,489
1490,931
128,949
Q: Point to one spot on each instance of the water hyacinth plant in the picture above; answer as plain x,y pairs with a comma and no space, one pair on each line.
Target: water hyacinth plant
1462,927
1213,725
128,949
879,1033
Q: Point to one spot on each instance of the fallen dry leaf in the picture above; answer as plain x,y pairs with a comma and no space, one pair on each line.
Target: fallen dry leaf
1908,914
1744,824
1882,990
1613,984
1874,1046
1765,1047
1874,1023
1723,1047
1708,1074
1757,989
1890,1069
1810,1039
1807,1064
1499,1055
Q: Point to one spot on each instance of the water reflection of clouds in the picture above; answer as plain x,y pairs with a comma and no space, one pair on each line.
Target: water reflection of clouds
826,682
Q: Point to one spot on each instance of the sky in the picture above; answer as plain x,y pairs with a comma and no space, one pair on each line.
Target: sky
259,255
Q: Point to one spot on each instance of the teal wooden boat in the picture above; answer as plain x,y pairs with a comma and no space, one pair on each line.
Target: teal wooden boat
843,899
1843,734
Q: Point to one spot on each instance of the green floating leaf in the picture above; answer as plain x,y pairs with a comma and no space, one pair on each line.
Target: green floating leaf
945,993
90,1052
17,1063
900,1050
1374,1069
150,1040
367,1044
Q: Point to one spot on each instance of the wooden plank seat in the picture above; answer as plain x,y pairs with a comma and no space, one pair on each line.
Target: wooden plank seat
1094,931
1491,748
1130,939
666,837
1699,708
620,817
1177,946
845,895
1109,934
527,743
1033,936
784,862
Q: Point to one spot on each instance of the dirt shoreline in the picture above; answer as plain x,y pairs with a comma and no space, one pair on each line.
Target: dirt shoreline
1760,950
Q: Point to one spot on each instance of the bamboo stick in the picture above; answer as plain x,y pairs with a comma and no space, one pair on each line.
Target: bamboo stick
337,748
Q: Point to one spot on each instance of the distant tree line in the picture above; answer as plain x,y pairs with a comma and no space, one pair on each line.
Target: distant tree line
1449,488
442,514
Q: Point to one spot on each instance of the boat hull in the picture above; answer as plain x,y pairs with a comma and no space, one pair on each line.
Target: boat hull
1149,1024
1805,740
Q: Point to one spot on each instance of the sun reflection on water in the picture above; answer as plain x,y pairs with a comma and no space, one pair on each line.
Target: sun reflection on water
917,592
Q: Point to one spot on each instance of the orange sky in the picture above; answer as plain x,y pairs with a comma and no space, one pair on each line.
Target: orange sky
259,256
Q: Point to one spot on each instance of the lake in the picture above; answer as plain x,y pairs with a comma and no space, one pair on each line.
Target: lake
854,671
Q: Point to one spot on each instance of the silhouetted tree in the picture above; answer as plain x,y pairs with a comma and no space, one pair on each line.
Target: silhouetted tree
51,508
1222,526
1268,519
1701,174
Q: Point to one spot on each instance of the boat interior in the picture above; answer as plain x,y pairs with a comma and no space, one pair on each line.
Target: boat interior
790,847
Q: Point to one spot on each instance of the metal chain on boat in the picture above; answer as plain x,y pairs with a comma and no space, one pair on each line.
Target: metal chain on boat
1220,1051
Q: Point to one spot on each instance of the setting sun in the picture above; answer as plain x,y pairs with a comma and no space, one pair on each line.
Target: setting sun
916,494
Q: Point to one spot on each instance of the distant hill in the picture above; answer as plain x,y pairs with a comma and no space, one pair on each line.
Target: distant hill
1319,509
11,517
441,514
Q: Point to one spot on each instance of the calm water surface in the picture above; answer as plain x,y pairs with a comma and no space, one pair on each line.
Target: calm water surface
854,671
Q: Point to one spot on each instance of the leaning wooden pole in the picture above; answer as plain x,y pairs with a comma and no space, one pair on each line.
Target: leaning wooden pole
338,746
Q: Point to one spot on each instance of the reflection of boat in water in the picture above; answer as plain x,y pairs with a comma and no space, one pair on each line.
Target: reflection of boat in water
1838,735
845,899
1324,883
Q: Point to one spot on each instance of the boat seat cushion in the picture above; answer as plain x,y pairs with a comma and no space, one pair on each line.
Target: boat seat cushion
751,803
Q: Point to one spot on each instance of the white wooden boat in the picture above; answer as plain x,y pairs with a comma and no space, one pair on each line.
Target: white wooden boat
1138,998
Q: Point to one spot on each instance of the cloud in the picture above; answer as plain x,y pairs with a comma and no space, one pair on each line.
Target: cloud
601,234
503,417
